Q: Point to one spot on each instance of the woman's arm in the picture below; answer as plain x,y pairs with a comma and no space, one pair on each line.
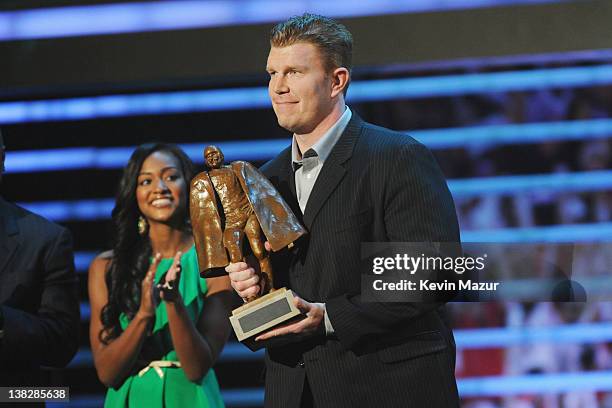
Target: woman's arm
113,361
198,347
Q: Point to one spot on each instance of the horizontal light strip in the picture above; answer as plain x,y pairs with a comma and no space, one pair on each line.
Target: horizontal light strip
29,161
597,287
81,210
465,339
502,385
600,232
593,285
96,209
85,309
534,384
241,397
232,351
82,260
556,182
514,336
132,105
524,133
499,337
452,85
257,97
173,15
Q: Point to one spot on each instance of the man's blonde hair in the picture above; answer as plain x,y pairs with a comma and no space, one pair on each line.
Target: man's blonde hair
333,39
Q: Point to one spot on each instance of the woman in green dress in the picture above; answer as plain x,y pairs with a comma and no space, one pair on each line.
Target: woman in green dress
156,326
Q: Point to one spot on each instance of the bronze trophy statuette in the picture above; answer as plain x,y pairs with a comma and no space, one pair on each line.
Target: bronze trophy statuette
227,203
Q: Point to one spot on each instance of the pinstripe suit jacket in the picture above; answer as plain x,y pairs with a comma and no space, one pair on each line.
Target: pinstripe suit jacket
376,186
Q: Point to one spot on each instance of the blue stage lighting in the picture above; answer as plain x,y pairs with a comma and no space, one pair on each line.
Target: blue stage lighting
187,14
30,161
257,98
599,232
556,182
95,209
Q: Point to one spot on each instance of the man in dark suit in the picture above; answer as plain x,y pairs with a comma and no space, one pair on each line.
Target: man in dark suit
353,182
39,308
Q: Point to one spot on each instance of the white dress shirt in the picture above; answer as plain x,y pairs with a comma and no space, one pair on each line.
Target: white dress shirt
307,167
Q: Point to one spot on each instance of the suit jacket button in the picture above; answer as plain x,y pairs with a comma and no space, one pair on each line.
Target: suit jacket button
301,363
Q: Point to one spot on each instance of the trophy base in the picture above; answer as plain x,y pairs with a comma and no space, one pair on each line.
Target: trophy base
262,314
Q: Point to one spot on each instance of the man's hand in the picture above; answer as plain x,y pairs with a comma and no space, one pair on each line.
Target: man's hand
244,280
315,314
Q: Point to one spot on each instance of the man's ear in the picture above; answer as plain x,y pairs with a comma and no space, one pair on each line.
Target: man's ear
340,80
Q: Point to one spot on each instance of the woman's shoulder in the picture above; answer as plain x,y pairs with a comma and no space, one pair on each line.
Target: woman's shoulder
100,263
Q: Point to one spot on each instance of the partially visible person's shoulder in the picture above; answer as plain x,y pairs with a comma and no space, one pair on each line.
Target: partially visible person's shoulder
377,139
106,255
31,224
101,262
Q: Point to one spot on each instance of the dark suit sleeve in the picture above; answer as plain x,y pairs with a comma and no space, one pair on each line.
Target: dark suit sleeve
49,337
418,207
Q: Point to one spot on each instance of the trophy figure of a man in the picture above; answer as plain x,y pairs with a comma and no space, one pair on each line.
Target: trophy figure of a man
228,202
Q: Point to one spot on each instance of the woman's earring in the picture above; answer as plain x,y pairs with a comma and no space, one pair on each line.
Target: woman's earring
142,225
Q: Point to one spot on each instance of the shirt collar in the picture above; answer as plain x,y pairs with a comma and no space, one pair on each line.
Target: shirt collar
326,143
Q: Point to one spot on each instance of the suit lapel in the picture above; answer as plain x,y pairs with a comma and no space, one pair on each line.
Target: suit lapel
9,232
285,173
292,185
333,170
286,182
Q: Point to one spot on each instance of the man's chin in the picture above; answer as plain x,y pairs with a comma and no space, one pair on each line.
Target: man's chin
293,127
285,124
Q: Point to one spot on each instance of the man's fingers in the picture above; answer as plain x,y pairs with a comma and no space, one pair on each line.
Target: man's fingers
245,284
306,325
302,304
242,275
236,267
251,292
292,328
268,246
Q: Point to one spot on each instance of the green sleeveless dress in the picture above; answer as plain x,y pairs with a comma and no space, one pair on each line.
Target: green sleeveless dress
173,389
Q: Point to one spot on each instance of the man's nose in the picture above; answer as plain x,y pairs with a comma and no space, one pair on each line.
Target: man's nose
280,84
